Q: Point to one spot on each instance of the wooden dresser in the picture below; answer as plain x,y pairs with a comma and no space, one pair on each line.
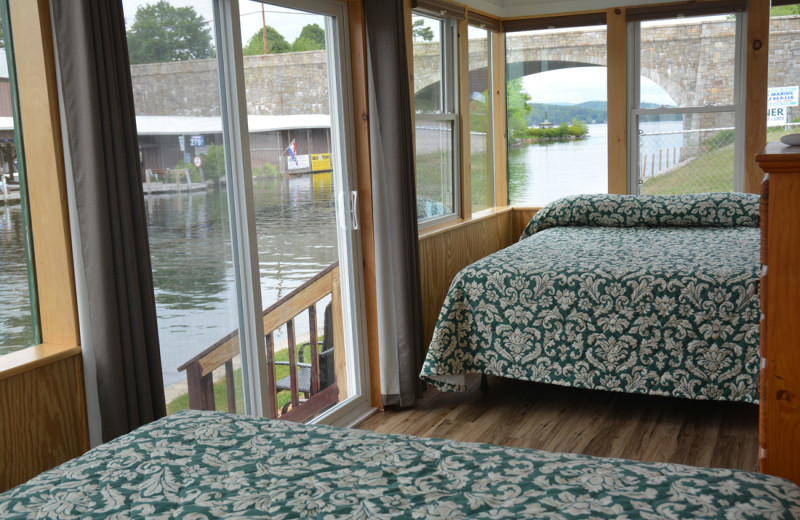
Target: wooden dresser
779,424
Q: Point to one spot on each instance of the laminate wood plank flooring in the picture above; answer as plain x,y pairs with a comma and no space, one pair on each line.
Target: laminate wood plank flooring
602,424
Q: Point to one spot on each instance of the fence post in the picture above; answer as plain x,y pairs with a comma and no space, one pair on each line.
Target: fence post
273,399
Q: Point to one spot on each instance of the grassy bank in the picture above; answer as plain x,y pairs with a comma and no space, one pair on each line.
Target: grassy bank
709,172
221,392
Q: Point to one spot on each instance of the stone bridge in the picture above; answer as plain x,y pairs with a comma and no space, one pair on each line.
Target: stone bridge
296,83
675,56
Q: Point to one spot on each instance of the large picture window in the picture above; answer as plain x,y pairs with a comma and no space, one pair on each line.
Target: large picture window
685,102
246,142
556,105
435,104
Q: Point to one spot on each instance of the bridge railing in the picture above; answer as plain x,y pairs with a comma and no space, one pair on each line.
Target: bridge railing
304,299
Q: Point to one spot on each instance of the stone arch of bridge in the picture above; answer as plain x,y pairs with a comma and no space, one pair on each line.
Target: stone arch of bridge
679,92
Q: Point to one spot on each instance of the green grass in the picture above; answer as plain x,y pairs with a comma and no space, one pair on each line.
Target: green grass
221,392
709,172
712,171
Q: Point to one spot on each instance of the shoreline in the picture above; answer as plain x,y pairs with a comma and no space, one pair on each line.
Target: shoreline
176,390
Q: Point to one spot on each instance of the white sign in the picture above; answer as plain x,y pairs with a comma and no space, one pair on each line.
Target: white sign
300,162
783,96
198,161
776,116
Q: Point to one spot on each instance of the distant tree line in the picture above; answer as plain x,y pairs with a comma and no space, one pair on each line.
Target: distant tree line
162,32
588,111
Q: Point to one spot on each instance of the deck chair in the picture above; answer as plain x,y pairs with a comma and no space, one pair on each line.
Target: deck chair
326,367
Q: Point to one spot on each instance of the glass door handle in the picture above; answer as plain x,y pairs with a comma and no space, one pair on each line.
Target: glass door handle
354,209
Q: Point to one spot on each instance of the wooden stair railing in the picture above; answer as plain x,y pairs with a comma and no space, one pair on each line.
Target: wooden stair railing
305,298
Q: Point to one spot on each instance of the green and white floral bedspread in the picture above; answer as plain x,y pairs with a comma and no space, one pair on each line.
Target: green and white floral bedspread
202,465
654,295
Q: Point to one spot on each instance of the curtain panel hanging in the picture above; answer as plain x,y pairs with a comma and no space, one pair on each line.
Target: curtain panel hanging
103,157
394,206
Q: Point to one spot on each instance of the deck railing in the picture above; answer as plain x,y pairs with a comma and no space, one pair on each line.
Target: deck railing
199,369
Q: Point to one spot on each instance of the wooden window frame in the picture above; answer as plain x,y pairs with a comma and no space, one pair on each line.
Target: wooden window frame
42,386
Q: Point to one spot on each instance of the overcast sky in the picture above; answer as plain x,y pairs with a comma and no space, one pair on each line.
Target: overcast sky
578,84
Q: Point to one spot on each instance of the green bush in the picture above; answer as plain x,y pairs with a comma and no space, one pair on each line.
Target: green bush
268,170
575,130
194,172
214,163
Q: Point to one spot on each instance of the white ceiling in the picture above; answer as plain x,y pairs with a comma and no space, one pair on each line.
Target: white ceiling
518,8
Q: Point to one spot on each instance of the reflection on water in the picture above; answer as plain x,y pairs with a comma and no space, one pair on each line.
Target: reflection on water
16,323
541,173
190,248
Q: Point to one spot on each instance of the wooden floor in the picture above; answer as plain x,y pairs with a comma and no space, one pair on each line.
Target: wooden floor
604,424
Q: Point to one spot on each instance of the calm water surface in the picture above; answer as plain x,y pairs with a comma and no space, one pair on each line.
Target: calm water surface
190,249
193,273
16,323
542,173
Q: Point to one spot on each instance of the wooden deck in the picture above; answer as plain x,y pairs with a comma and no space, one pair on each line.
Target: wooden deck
604,424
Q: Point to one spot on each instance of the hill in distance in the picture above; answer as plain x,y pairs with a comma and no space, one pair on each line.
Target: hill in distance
588,111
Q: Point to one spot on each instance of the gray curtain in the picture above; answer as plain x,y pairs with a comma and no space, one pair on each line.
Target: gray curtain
394,205
103,157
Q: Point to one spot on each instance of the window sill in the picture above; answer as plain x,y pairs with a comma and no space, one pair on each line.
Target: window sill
31,358
453,224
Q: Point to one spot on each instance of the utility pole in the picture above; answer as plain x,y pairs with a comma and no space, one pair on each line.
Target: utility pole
264,29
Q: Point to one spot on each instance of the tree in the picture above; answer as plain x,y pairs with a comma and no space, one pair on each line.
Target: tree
518,107
420,32
312,38
161,32
276,43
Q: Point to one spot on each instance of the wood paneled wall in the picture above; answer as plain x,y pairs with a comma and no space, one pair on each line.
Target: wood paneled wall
42,415
520,216
444,252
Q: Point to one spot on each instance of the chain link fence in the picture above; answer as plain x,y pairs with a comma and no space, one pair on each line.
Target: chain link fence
692,155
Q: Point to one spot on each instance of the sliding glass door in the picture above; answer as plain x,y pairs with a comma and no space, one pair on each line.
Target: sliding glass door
248,176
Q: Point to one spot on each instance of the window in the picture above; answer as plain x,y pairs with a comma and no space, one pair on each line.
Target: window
245,139
18,321
685,102
436,121
556,105
481,141
783,112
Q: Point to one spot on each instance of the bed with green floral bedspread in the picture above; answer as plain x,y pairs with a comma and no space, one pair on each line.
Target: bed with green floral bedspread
204,465
640,294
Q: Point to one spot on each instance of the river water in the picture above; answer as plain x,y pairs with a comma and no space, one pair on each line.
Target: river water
542,173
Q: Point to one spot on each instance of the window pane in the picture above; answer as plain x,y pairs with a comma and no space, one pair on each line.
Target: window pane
783,112
556,99
178,116
480,120
289,107
428,64
693,59
686,153
434,140
16,315
688,66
